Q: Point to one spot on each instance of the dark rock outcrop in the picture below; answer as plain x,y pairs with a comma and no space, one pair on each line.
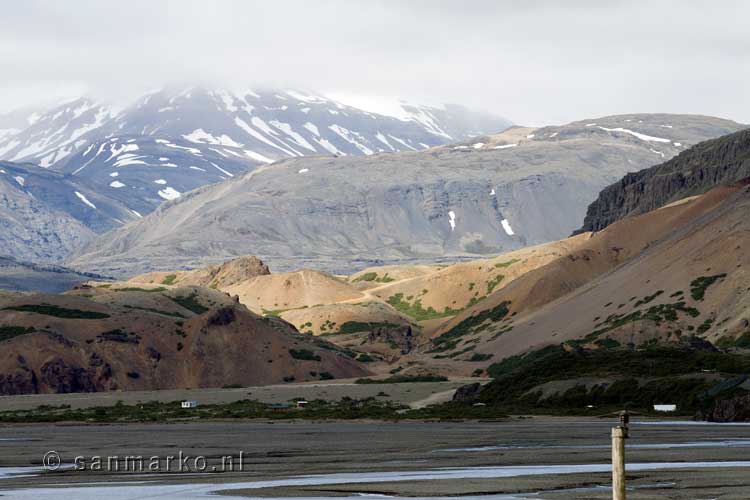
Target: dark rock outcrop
724,160
467,392
397,335
221,317
736,409
699,344
61,377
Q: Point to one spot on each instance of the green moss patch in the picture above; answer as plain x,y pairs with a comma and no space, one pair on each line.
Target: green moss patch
58,312
169,279
9,332
304,355
699,285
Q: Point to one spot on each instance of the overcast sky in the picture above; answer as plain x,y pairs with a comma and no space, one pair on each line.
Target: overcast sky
534,62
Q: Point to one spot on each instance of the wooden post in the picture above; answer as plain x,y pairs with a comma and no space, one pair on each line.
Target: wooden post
618,463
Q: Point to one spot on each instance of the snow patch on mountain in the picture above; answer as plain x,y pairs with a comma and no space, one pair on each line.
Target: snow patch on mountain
643,137
169,193
85,200
200,136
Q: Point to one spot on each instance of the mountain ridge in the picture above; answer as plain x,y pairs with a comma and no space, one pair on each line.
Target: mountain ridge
486,196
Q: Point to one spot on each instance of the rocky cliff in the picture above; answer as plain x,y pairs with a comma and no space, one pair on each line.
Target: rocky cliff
692,172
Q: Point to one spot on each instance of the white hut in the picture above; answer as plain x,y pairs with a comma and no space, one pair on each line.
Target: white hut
665,408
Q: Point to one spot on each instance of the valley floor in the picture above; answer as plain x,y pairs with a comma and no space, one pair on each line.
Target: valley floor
413,394
543,457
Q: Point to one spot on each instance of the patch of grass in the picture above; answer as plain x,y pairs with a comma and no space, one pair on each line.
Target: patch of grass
480,357
275,313
119,335
359,326
662,313
190,303
328,326
454,354
155,311
491,284
169,279
470,324
373,276
153,411
403,379
58,312
648,298
608,343
9,332
333,347
642,378
369,276
741,341
699,285
705,326
416,310
507,263
158,289
304,355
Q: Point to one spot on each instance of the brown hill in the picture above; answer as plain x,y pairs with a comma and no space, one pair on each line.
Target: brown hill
98,339
673,272
275,293
214,276
435,297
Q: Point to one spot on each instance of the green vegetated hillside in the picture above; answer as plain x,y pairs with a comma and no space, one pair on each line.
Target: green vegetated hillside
561,379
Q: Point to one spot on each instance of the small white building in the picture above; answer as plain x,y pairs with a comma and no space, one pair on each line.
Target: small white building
190,404
665,408
301,403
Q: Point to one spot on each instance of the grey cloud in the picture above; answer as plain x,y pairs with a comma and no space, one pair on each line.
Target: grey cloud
534,62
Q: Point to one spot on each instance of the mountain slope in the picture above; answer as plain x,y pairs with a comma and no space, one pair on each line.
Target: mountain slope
638,263
99,339
19,276
669,324
45,215
492,195
177,139
722,160
143,172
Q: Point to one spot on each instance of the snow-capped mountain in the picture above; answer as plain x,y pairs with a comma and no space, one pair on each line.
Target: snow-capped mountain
144,171
263,125
174,140
56,134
